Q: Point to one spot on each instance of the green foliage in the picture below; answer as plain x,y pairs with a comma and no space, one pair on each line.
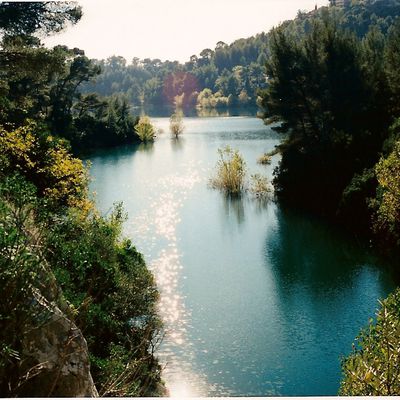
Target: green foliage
43,160
387,203
355,204
23,273
102,122
44,85
230,172
329,90
111,294
107,282
28,18
392,60
175,123
53,243
373,367
145,129
206,99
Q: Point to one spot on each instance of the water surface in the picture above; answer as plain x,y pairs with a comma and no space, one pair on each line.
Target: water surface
256,300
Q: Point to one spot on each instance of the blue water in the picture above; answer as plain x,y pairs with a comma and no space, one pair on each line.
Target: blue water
257,300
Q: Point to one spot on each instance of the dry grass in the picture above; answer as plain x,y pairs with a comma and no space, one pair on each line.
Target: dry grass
259,185
265,159
231,172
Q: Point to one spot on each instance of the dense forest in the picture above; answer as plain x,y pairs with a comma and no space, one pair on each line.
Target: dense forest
337,97
65,270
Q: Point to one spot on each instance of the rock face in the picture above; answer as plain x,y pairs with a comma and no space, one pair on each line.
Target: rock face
55,355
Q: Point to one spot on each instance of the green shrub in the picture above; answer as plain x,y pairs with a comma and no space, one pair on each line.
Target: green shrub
111,294
231,172
145,129
373,367
387,202
114,294
45,161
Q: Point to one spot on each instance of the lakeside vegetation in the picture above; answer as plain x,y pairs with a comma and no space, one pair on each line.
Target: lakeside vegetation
336,94
60,260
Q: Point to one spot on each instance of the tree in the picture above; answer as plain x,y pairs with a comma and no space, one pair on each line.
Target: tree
320,91
29,18
175,123
77,69
145,130
392,62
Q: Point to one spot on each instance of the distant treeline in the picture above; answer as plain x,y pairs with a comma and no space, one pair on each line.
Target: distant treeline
230,74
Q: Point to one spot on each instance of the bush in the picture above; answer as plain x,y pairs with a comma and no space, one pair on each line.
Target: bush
45,161
259,185
106,281
231,172
175,124
265,159
373,367
387,203
145,129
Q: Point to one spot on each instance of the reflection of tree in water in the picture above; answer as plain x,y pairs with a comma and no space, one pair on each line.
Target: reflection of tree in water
234,205
212,112
261,203
177,143
147,147
303,251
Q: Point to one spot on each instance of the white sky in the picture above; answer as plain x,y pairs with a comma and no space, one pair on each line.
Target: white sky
172,29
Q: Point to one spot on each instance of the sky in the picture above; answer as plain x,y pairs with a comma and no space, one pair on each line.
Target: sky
172,29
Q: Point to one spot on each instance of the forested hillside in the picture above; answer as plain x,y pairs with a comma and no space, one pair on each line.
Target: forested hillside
230,74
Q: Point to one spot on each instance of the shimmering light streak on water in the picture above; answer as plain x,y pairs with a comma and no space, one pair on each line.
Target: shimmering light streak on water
161,219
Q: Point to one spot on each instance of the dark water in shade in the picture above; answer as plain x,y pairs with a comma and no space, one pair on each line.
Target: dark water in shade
256,300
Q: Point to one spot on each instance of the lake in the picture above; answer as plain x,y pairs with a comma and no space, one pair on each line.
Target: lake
257,300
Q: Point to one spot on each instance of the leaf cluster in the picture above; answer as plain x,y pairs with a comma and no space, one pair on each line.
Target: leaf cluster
373,367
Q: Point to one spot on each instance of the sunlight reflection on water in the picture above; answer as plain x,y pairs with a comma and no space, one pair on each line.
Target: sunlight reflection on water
157,224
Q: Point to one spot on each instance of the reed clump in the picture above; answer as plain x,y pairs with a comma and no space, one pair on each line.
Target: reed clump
230,172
